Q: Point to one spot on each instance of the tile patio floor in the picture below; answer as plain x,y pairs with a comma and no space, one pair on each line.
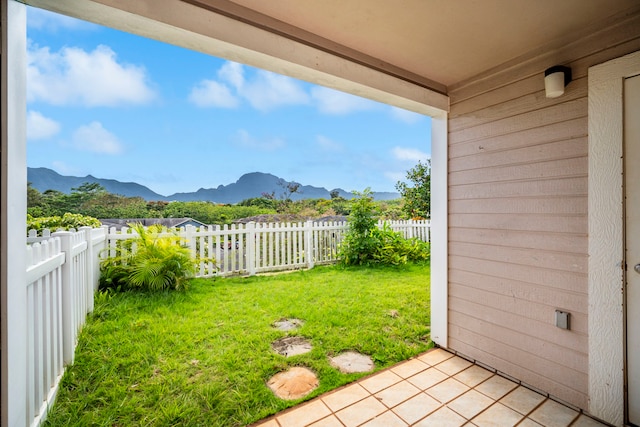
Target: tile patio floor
434,389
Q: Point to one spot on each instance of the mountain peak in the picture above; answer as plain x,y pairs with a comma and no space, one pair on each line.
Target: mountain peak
249,185
251,175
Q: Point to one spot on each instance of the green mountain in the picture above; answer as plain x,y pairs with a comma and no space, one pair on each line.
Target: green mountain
247,186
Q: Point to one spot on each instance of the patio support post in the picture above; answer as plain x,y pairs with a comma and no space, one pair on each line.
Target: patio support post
439,231
13,211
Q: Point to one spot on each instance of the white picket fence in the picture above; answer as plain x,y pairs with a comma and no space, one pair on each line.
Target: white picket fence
63,270
252,248
419,229
62,275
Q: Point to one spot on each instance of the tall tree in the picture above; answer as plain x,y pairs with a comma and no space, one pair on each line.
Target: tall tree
34,197
288,190
417,195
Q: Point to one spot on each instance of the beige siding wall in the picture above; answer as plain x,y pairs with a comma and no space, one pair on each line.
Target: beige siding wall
518,216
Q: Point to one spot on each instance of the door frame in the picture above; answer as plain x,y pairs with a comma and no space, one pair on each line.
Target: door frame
606,238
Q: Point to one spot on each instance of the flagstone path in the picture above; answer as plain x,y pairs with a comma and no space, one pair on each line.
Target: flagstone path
299,381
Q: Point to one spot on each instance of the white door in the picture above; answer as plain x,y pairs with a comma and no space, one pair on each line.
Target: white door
632,237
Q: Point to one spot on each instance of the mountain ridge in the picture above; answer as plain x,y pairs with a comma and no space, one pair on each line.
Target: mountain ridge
249,185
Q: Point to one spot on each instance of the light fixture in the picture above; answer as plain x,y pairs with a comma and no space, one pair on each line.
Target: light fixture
555,79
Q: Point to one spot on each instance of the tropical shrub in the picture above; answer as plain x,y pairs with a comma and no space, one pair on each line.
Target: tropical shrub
393,249
359,243
158,263
366,244
65,222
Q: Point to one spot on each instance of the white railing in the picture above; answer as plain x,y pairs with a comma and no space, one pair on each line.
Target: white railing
63,270
261,247
62,275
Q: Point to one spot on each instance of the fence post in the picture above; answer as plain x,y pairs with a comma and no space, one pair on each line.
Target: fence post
251,248
189,232
68,298
89,268
308,243
102,250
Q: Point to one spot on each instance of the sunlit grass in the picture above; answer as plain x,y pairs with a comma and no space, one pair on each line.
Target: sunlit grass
203,357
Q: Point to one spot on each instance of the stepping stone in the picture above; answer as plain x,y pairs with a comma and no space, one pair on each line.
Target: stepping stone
351,362
291,346
288,324
293,384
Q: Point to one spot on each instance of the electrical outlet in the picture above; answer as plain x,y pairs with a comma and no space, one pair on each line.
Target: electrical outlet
562,319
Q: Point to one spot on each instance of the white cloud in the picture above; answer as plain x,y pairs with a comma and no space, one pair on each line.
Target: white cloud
232,73
326,144
244,139
40,127
94,137
269,90
209,93
409,154
406,116
395,176
40,19
330,101
264,90
64,169
73,76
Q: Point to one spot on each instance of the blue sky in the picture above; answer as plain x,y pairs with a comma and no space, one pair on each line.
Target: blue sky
119,106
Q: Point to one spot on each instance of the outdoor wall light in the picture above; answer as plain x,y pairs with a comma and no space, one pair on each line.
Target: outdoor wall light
555,79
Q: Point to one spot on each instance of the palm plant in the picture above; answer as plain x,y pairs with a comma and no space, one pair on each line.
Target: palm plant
154,261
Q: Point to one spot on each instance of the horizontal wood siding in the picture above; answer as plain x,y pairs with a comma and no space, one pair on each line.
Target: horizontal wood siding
518,216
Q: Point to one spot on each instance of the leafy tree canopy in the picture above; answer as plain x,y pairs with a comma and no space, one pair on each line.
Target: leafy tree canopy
93,200
417,195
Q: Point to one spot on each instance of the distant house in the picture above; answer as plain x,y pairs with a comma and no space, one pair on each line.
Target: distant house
165,222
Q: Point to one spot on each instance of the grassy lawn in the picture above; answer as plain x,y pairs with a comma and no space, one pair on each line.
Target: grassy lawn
203,357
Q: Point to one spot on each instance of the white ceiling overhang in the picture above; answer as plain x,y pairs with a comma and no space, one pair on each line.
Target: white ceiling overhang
407,53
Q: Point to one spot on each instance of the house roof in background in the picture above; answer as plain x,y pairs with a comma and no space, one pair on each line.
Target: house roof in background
165,222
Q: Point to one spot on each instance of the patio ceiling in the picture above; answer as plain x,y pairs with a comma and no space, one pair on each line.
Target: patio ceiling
408,53
437,43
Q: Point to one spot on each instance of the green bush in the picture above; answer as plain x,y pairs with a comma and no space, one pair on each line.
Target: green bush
360,242
393,249
366,244
158,262
66,221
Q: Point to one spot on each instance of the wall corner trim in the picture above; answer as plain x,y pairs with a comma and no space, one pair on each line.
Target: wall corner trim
606,237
